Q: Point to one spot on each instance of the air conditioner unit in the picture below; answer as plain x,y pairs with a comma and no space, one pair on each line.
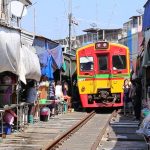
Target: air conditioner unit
64,47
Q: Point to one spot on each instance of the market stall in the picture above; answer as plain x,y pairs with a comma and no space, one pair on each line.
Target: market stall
17,63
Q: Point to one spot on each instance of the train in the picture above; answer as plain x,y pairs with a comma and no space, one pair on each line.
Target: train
102,68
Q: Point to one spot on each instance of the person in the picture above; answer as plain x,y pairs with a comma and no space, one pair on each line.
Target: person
52,97
58,91
137,102
127,100
52,90
66,97
31,99
135,94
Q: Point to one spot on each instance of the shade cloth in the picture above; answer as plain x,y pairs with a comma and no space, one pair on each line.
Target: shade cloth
17,58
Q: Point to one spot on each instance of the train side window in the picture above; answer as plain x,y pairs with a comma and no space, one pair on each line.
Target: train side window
119,62
103,62
86,63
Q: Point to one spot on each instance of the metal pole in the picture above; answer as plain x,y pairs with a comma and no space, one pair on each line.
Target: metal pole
97,35
70,23
34,19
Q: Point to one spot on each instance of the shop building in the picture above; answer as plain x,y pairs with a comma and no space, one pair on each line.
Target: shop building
146,57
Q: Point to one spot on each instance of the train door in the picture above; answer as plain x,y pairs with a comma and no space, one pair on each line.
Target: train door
102,81
119,70
86,72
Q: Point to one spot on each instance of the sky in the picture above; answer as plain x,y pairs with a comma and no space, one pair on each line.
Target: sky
51,16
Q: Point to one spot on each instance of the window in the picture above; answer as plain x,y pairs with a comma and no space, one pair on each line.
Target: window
3,3
119,62
86,63
135,23
103,62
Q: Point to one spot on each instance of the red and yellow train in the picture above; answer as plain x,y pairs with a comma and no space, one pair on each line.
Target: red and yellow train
101,70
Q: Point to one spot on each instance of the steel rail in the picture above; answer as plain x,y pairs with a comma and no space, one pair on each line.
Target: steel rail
101,134
64,136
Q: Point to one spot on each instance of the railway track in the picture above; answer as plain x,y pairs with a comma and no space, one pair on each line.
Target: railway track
79,131
75,131
36,136
85,135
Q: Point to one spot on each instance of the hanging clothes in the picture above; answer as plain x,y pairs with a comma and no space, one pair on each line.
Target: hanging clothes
51,60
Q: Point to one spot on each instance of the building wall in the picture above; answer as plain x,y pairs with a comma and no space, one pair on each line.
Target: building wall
133,41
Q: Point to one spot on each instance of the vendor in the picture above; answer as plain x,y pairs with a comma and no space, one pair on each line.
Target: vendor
31,99
52,97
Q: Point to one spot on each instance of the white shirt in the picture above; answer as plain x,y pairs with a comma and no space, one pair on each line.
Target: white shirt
58,90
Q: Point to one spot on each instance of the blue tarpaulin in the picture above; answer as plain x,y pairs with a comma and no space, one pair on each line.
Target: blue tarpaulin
129,44
146,18
50,60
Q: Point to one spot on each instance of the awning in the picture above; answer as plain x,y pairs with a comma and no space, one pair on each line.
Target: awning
16,59
29,65
9,50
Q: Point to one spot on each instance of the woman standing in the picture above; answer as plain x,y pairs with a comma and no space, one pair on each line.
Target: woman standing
66,97
31,99
126,99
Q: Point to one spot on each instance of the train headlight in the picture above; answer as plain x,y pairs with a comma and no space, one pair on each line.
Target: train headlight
83,89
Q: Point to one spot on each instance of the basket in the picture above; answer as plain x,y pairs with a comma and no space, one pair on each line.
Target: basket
43,101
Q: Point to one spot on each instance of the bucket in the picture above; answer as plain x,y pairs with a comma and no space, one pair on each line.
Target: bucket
7,129
44,118
45,111
44,114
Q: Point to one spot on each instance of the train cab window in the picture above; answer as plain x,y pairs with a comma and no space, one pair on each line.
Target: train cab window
103,62
119,62
86,63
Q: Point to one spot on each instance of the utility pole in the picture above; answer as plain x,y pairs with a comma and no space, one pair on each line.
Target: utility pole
97,20
34,21
70,28
70,23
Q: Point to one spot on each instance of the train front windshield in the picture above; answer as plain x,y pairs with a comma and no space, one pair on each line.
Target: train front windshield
119,62
86,63
103,62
